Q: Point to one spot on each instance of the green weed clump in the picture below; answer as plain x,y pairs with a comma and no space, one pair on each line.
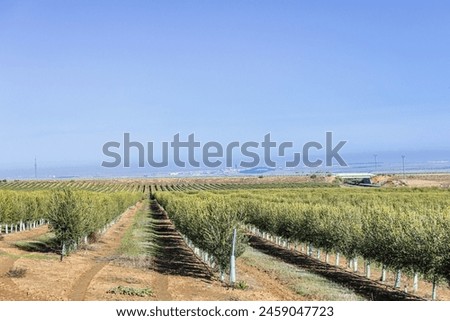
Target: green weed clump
125,290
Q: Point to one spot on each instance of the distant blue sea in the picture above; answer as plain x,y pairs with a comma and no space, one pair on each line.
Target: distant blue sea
388,162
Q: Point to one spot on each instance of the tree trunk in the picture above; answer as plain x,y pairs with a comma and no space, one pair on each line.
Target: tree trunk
355,264
398,278
416,282
383,273
368,269
434,290
63,251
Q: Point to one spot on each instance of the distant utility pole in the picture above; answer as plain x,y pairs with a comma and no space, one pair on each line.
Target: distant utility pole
35,167
403,165
375,157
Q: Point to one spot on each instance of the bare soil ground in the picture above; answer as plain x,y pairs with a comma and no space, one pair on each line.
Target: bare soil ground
301,281
416,180
9,255
175,273
182,276
49,279
371,289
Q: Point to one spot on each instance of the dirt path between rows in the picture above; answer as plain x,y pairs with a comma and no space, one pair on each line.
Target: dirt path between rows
172,256
183,276
278,290
78,292
369,289
109,244
7,286
24,235
173,272
47,278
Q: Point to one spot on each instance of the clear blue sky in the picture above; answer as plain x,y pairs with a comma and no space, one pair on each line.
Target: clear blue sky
75,74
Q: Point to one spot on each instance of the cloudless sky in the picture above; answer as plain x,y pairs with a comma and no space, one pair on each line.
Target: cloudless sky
76,74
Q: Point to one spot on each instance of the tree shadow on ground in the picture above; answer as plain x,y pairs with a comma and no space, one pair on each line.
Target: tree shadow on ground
171,254
46,246
370,289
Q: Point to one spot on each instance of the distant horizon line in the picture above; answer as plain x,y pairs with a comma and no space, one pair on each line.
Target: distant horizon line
219,177
389,155
221,174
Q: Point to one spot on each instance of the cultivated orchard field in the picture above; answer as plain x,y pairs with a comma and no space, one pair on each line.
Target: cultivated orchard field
406,230
385,243
87,185
22,210
73,213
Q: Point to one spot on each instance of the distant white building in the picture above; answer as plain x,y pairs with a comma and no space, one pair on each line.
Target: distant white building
355,175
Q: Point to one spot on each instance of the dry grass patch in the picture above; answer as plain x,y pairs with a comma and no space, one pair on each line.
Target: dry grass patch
16,272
